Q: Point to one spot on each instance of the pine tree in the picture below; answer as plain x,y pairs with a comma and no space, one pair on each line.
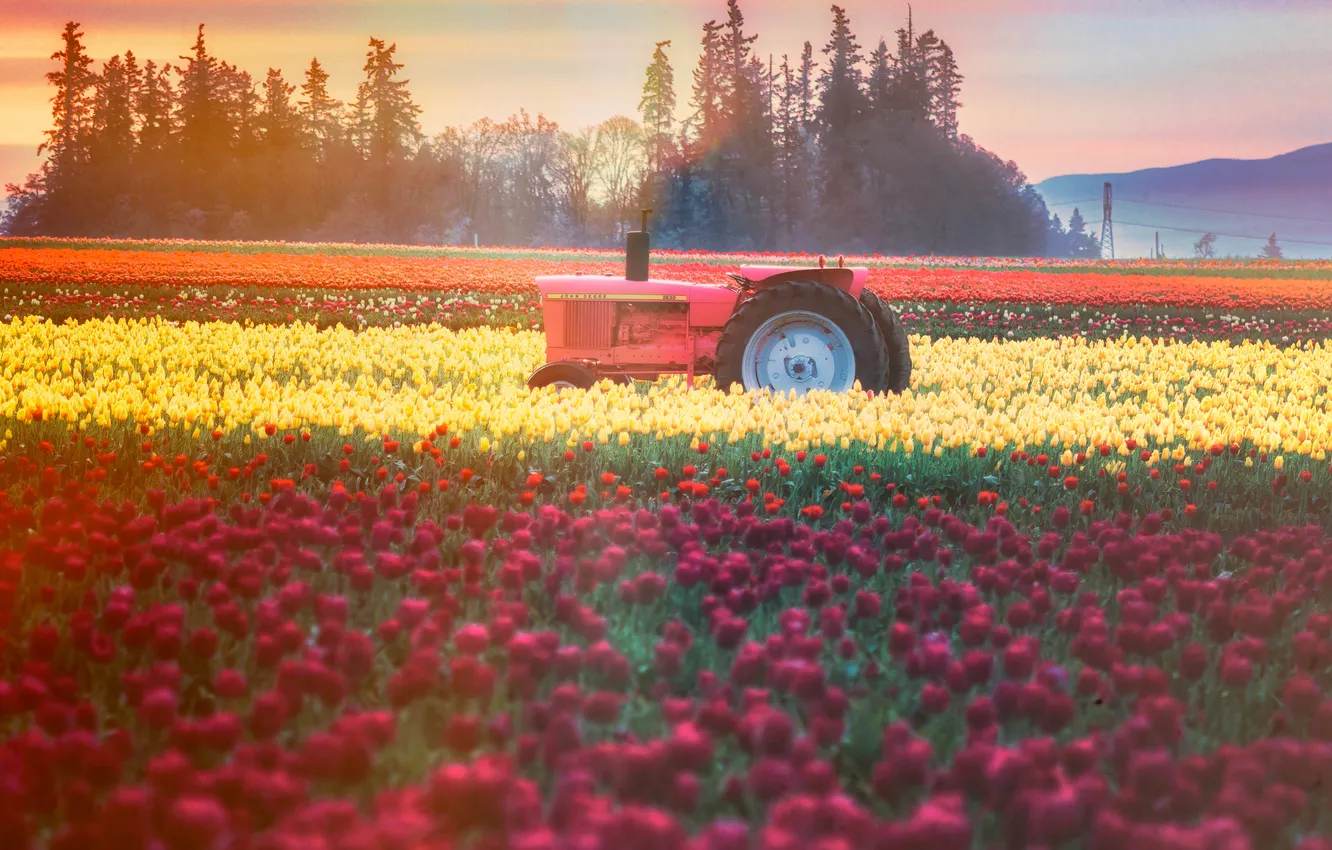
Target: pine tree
390,121
320,113
54,200
842,106
842,99
113,111
742,172
657,107
112,150
206,135
278,121
947,84
1080,242
880,89
805,89
153,108
709,108
72,105
789,153
740,84
911,89
1272,250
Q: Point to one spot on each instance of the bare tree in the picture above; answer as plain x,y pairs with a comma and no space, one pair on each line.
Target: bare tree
619,165
1205,247
531,147
575,171
475,152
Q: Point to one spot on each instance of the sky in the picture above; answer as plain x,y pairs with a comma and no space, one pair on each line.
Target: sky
1059,86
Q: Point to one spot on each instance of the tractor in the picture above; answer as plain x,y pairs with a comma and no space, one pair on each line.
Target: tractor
770,327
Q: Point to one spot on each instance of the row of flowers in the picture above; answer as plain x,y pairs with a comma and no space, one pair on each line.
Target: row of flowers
353,309
965,394
361,659
509,277
464,309
1139,266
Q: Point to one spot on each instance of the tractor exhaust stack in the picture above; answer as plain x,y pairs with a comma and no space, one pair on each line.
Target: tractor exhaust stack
636,253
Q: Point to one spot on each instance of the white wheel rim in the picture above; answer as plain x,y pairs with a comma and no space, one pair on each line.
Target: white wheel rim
560,386
800,351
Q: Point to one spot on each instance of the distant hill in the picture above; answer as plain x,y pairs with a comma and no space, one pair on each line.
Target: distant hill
1290,194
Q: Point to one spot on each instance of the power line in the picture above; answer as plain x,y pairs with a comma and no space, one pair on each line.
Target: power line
1200,209
1071,203
1230,212
1220,233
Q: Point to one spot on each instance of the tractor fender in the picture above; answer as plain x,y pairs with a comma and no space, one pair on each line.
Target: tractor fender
850,279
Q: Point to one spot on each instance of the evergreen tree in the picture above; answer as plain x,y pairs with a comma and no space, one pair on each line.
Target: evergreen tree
789,159
278,120
743,167
842,105
112,150
57,196
1081,244
697,208
153,109
841,95
880,91
947,84
709,92
911,92
657,107
206,135
805,88
1272,250
388,114
240,106
113,112
72,105
740,83
320,113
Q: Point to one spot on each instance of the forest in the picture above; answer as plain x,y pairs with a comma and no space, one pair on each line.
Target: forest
839,149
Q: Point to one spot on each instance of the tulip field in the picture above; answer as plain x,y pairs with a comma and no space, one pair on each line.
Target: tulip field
291,557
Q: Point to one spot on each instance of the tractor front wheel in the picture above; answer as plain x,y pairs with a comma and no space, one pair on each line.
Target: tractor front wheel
563,375
801,335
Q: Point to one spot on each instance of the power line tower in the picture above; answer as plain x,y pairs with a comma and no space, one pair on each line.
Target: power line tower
1107,227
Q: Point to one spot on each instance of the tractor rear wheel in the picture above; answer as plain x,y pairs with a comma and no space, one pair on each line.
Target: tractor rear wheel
563,375
801,335
894,337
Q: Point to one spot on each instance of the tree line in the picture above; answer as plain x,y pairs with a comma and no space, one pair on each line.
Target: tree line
839,153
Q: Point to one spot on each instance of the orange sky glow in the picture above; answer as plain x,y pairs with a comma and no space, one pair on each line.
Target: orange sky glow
1060,87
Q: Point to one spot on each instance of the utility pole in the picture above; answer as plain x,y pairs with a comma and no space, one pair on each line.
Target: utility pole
1107,226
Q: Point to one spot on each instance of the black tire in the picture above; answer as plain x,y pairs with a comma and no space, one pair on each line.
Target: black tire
833,304
574,374
894,338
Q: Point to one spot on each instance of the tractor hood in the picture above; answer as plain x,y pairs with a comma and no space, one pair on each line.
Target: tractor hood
574,287
710,304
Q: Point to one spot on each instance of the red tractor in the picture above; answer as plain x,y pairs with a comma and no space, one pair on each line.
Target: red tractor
773,327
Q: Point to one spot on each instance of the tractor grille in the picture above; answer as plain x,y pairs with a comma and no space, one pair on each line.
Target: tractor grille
589,324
